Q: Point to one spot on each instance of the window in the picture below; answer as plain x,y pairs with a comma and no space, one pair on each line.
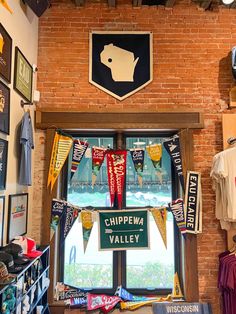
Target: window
139,271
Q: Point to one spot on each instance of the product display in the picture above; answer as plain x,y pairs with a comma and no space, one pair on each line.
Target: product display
28,245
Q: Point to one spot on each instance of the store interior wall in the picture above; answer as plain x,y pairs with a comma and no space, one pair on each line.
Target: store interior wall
22,26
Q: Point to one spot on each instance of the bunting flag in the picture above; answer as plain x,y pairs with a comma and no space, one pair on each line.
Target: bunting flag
177,209
193,202
101,301
176,291
6,6
60,150
68,219
86,217
65,292
57,209
155,153
172,145
135,305
160,217
137,155
79,149
116,169
98,155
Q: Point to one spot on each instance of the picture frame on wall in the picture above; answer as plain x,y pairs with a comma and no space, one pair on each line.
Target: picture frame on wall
2,211
5,54
4,108
3,163
17,215
23,75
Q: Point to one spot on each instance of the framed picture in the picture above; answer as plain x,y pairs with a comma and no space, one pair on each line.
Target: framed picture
17,215
2,210
23,75
5,54
4,108
3,163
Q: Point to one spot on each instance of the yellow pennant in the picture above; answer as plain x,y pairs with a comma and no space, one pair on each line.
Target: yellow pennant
160,217
87,224
60,150
6,6
177,292
137,304
155,153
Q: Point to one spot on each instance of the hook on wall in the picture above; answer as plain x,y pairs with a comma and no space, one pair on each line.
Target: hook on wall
25,103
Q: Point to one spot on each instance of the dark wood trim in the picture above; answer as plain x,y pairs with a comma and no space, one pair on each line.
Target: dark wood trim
137,3
170,3
119,120
111,3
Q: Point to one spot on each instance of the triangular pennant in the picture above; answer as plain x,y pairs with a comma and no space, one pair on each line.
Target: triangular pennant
79,149
102,301
155,153
67,221
172,146
177,209
98,155
60,150
6,6
176,292
160,217
87,225
137,155
57,210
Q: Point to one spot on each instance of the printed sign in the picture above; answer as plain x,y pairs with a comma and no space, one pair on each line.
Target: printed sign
123,229
4,108
120,63
3,163
5,54
183,308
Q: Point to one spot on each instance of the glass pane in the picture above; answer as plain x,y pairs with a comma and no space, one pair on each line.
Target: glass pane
80,191
92,269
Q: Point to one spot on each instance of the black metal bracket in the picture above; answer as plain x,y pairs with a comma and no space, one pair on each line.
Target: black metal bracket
25,103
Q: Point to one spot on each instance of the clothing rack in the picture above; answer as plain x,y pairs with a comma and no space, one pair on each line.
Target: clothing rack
25,103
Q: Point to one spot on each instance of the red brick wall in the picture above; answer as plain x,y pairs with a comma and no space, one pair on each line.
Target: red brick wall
191,71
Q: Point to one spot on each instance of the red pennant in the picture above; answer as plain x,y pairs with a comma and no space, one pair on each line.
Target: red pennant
102,301
116,167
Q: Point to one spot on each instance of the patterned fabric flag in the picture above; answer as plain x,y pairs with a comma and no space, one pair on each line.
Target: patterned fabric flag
116,169
137,155
86,217
160,217
79,149
68,219
155,153
101,301
176,291
60,150
98,155
172,145
135,305
57,209
177,209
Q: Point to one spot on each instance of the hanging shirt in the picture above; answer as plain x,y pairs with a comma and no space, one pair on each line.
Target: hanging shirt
27,144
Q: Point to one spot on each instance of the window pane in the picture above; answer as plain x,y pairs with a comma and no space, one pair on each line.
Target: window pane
92,270
80,191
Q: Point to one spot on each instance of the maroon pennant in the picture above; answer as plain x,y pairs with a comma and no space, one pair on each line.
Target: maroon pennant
102,301
116,169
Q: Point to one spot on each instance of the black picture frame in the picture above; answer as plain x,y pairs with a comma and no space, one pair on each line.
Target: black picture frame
2,214
4,108
3,163
5,54
23,76
17,215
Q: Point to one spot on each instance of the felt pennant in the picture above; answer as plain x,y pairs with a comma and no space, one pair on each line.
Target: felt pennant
177,209
160,217
101,301
116,168
57,210
98,155
6,6
86,217
172,145
137,155
60,150
176,291
135,305
68,219
127,296
79,149
155,153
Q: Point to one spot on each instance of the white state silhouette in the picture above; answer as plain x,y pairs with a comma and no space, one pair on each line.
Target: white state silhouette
120,61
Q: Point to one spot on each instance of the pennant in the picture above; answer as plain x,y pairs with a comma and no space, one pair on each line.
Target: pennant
79,149
172,145
77,302
137,155
160,217
155,153
60,150
193,202
135,305
6,6
116,168
57,209
98,155
87,225
68,219
65,292
102,301
176,291
177,209
126,296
